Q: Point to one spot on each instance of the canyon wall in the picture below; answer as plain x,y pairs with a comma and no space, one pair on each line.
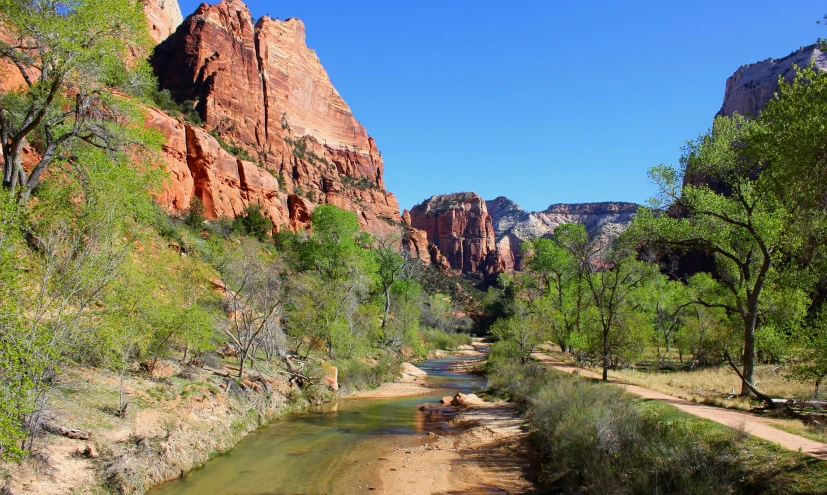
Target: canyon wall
753,85
163,18
459,229
264,95
513,225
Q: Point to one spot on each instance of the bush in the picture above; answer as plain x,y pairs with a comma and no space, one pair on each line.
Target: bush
437,339
355,375
254,224
163,101
194,216
593,438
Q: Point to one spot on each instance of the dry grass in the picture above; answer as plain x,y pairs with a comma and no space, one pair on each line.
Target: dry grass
715,386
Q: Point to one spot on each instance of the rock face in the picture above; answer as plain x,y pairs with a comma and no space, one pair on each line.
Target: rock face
753,85
459,228
163,18
267,98
513,225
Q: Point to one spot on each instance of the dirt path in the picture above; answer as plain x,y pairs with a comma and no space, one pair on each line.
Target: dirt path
759,427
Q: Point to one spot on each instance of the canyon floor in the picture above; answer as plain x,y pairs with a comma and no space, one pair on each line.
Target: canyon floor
489,455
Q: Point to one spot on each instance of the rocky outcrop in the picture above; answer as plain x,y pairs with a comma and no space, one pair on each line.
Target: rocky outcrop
513,225
163,18
199,167
753,85
459,228
266,96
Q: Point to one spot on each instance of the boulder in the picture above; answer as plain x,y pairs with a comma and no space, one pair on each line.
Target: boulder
461,400
331,377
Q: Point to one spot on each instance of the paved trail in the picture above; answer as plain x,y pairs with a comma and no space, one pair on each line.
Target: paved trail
756,426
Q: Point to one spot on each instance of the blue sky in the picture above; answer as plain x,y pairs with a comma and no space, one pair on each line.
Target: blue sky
541,101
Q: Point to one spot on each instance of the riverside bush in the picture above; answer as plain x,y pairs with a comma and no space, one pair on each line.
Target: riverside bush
445,341
593,438
355,375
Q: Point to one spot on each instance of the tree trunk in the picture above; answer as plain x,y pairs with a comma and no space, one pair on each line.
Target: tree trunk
242,360
749,351
605,355
387,307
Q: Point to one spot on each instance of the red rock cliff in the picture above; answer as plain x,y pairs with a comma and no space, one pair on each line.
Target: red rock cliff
459,226
258,87
163,18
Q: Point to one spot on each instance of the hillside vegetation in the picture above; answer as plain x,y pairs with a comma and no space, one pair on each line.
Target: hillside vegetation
112,311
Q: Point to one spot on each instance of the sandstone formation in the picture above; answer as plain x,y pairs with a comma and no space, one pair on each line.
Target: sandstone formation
513,225
265,96
460,229
163,18
753,85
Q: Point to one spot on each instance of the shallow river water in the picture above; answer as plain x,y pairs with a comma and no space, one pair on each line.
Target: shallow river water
327,450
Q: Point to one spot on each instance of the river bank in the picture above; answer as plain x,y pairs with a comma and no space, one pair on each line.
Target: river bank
175,423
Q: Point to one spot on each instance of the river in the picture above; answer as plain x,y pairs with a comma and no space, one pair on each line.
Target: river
329,449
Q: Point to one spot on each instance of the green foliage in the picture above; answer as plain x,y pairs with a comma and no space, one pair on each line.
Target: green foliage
162,99
254,224
362,183
236,150
79,50
437,339
194,216
593,438
746,228
523,332
355,374
281,180
301,151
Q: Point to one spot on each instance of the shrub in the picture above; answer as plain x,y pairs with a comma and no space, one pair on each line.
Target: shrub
163,101
194,216
254,224
233,149
437,339
593,438
357,375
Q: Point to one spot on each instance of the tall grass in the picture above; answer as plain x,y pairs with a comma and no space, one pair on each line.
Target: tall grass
592,438
355,375
437,339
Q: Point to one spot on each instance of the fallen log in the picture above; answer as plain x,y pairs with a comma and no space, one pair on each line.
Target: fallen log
72,433
766,399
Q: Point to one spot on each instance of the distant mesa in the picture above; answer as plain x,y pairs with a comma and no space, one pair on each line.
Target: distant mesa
513,225
484,237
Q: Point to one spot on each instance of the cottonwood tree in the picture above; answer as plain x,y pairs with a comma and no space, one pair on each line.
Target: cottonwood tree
666,301
68,54
393,265
613,283
555,269
522,332
744,228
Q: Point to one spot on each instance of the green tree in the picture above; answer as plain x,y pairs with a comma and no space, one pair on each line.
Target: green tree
553,269
665,300
745,228
253,223
69,54
518,335
393,265
614,283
